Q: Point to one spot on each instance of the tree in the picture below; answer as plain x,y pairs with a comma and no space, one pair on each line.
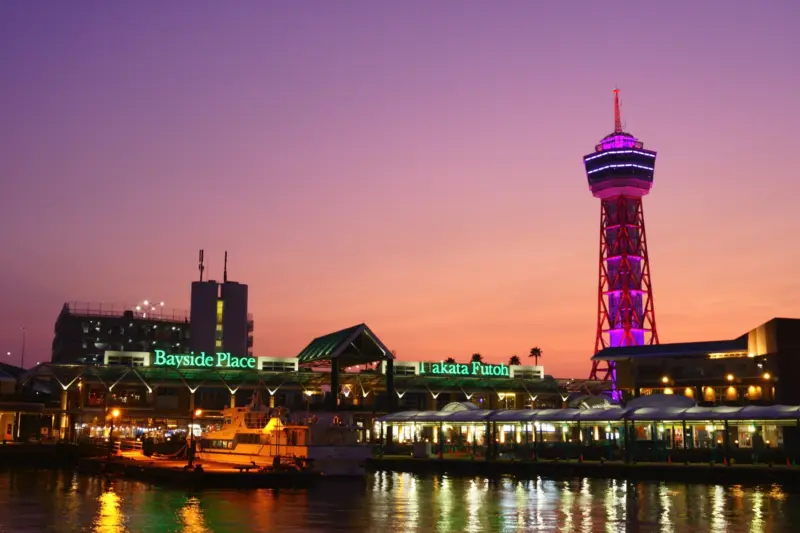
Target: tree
476,357
450,360
536,353
514,360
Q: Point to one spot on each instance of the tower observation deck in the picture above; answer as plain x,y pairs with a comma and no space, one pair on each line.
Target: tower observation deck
620,172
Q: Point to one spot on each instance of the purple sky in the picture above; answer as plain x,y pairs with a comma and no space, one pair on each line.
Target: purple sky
412,165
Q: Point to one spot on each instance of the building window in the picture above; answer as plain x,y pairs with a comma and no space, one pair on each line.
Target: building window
278,366
754,392
731,394
709,395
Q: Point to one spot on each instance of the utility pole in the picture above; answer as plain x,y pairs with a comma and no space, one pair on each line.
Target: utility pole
22,353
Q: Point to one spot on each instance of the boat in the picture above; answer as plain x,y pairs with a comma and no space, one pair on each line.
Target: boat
256,436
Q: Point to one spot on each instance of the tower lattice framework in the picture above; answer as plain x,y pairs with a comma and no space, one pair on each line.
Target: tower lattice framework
625,308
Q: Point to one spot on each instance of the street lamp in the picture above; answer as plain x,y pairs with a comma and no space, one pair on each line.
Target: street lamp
193,414
114,416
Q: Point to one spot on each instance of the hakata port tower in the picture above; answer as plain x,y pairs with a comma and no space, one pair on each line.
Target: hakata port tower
620,172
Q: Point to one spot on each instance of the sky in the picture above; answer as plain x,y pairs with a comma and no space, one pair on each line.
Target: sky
413,165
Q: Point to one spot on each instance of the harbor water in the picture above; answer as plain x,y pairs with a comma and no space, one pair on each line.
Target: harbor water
63,501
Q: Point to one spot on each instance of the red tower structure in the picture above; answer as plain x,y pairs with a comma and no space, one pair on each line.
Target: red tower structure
620,172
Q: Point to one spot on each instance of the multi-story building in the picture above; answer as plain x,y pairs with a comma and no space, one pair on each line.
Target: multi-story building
85,331
759,367
219,318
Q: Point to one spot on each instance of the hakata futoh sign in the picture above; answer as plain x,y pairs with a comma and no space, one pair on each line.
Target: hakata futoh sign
475,368
202,360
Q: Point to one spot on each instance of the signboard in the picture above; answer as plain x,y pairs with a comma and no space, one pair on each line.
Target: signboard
473,369
202,360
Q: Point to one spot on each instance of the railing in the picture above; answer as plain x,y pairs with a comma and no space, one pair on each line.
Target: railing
118,310
156,312
128,445
118,445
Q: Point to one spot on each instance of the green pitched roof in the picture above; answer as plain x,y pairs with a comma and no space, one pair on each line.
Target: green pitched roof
335,345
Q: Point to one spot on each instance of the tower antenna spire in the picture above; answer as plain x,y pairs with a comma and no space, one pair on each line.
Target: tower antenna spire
225,269
617,114
201,267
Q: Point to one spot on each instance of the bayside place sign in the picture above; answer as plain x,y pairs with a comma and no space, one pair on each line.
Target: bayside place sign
202,360
474,369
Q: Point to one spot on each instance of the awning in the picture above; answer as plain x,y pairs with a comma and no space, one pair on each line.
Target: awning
610,414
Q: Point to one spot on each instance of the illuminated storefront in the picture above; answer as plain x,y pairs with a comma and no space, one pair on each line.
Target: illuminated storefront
634,432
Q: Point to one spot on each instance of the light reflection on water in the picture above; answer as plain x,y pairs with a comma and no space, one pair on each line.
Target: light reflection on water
665,509
65,502
757,523
191,517
109,517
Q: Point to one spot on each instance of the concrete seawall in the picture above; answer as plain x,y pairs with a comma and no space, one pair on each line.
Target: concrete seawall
45,455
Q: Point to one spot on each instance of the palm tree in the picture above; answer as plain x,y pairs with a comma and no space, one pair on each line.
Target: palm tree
536,353
476,357
514,360
450,360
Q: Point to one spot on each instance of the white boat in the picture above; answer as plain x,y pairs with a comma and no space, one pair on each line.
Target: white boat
258,436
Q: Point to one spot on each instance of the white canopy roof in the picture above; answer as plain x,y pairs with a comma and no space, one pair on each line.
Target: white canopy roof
609,414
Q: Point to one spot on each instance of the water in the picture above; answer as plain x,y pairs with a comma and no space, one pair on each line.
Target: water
47,501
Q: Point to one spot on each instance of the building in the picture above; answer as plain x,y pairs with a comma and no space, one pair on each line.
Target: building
217,322
9,379
219,318
620,172
84,332
758,367
159,387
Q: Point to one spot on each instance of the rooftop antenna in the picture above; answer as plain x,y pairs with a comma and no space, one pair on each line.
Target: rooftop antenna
201,267
617,114
225,269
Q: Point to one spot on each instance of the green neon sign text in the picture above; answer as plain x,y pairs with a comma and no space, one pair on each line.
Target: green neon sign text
475,368
201,360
